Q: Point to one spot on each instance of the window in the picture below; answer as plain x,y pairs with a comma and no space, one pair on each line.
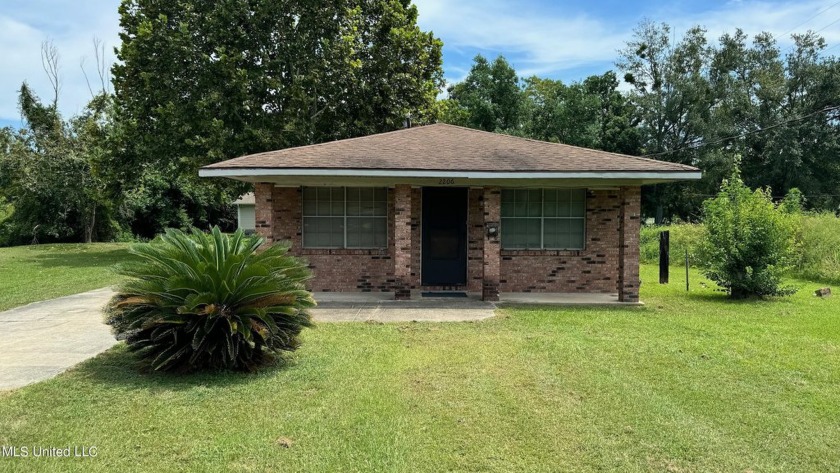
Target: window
543,218
345,217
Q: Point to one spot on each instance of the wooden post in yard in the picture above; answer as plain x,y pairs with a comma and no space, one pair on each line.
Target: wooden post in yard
664,255
686,270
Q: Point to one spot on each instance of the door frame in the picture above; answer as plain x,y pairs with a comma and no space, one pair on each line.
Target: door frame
424,232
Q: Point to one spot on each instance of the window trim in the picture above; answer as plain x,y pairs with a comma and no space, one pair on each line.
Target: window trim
344,216
542,219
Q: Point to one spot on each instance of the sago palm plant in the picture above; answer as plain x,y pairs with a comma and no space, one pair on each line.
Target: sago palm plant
197,301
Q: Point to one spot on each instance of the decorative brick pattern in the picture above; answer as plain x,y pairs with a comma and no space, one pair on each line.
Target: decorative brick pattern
402,241
628,257
492,245
592,269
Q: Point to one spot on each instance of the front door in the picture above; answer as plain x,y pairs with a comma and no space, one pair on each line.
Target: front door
444,236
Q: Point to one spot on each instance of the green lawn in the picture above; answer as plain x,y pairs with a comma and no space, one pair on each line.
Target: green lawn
690,382
34,273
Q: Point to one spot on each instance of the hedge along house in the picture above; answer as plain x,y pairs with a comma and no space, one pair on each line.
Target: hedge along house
446,208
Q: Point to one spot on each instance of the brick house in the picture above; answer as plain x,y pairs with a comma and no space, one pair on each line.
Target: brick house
446,208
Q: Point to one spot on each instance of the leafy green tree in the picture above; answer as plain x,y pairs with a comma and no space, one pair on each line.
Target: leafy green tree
489,98
673,99
560,113
592,113
52,174
703,104
799,112
748,241
793,203
210,301
199,82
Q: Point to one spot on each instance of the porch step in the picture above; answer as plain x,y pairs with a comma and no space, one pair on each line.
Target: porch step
443,294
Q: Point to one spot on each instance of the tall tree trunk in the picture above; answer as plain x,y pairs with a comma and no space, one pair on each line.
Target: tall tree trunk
91,224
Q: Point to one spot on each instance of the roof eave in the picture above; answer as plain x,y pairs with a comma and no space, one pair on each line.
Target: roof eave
250,174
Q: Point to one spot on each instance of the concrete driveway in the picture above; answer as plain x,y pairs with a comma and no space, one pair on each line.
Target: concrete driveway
40,340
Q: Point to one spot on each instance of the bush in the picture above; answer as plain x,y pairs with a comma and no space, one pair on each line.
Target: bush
748,241
684,236
819,247
204,301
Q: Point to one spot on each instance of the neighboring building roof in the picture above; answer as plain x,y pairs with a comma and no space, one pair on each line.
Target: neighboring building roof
425,151
246,199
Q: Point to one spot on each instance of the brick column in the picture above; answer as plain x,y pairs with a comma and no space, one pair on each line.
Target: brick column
264,211
287,217
402,242
629,220
492,206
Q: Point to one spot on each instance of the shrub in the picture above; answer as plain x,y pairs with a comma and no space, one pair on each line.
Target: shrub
198,301
684,236
748,241
819,247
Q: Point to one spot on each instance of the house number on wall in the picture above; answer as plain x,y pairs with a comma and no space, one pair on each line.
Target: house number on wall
445,181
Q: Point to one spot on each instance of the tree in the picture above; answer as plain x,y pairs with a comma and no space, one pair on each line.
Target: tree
673,100
704,104
592,113
560,113
488,99
796,101
748,240
200,82
51,171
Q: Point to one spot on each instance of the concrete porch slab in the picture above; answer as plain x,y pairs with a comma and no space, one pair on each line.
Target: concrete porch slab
564,299
380,307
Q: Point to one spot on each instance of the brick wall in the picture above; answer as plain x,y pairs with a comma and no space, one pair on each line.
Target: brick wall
475,240
416,235
493,270
340,270
593,269
628,258
608,264
263,211
402,241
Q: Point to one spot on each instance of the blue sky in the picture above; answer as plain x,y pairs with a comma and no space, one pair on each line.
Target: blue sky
566,40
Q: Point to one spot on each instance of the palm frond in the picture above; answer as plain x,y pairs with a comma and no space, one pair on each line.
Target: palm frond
197,301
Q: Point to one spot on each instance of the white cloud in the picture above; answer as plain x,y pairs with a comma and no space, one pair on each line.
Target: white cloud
535,43
780,18
557,44
543,41
71,25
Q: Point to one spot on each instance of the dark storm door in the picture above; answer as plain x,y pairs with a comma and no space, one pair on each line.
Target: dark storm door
444,236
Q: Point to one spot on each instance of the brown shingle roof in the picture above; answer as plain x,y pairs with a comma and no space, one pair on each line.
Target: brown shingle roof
441,147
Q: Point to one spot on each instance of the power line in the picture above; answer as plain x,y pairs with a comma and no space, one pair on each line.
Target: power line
742,135
826,26
793,46
809,19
